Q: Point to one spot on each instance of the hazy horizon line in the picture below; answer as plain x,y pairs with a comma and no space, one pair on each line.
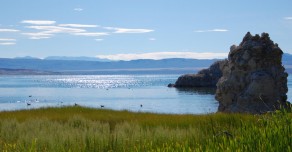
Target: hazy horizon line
137,56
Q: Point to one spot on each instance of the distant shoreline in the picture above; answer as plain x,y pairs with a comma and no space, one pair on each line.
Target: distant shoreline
108,71
101,71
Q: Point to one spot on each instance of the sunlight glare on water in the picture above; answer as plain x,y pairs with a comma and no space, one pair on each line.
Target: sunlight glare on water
99,81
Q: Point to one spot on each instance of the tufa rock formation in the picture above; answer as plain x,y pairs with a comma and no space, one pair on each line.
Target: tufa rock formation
254,80
204,78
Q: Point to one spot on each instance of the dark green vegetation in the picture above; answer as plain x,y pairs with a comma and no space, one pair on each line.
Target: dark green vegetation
86,129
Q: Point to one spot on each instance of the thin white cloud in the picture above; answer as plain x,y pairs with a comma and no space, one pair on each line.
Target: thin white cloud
78,9
127,30
57,29
288,18
7,39
39,22
45,29
152,39
213,30
78,25
98,39
92,34
73,29
164,55
39,37
124,30
9,30
7,43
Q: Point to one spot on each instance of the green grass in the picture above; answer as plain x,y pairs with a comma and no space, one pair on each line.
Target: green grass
87,129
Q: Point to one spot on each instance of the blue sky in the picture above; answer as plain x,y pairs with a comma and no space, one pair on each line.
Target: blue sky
131,29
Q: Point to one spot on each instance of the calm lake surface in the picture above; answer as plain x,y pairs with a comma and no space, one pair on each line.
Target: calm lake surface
118,92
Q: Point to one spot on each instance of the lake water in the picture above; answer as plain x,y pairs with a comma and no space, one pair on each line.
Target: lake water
118,92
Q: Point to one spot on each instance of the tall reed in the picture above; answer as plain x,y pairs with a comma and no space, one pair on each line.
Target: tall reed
87,129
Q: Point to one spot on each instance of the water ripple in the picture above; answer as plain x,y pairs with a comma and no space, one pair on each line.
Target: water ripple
89,81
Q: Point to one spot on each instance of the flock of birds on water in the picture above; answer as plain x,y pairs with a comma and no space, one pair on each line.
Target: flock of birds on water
28,103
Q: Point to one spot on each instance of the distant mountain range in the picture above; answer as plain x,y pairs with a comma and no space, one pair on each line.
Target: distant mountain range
86,65
112,67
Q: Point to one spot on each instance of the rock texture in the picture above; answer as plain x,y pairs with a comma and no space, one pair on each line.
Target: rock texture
204,78
254,80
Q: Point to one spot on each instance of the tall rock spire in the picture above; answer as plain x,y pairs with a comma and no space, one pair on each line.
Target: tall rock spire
254,80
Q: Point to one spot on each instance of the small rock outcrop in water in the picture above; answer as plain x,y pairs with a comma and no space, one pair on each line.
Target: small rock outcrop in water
204,78
254,80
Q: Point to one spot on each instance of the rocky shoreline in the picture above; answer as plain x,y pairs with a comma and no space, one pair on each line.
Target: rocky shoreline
251,80
204,78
